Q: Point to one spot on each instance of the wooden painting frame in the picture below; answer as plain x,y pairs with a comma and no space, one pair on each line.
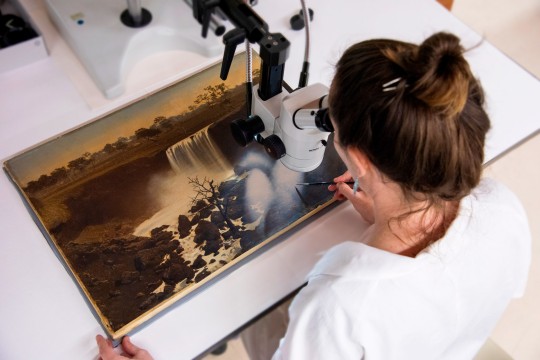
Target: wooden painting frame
106,196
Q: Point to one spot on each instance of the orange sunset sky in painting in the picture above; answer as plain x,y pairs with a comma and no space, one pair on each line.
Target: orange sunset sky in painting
92,137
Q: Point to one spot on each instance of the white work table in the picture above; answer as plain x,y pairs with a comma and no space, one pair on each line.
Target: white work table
42,311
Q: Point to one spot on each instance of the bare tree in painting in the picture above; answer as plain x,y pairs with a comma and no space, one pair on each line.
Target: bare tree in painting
206,190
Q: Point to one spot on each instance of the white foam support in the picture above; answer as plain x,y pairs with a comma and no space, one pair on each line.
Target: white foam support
108,49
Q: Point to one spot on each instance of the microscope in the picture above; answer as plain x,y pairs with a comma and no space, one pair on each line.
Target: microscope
292,126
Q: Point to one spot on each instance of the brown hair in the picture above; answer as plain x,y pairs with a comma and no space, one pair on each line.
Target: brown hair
426,132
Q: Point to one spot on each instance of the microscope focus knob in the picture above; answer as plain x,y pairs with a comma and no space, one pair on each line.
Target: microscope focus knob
244,131
274,146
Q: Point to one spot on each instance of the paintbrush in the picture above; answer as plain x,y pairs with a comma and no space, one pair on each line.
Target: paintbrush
324,183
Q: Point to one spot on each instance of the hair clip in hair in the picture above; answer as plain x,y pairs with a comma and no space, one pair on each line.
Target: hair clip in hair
387,87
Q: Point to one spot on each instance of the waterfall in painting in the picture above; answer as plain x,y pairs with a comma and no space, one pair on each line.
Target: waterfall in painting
199,153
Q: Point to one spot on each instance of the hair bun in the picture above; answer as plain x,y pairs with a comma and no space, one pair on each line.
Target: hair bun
440,73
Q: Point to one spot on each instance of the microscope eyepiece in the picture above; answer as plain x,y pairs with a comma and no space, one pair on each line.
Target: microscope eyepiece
313,118
322,120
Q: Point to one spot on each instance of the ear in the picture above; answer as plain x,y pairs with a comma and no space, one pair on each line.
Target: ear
359,161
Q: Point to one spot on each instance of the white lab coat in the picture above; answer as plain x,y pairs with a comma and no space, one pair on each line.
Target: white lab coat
363,302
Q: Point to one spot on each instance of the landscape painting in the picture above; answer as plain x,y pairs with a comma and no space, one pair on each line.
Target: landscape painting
149,203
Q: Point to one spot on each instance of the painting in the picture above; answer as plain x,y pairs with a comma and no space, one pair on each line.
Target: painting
153,201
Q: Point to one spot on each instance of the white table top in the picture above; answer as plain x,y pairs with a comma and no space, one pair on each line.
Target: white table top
44,315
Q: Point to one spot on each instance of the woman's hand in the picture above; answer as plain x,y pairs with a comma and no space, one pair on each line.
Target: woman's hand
346,177
106,351
361,201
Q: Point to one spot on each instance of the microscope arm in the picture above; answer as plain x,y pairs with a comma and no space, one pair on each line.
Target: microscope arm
274,47
297,138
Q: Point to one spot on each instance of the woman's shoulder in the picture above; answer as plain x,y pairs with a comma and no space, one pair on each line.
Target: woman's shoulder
491,214
492,192
494,207
492,225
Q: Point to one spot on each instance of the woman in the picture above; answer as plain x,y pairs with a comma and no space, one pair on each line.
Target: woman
446,251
